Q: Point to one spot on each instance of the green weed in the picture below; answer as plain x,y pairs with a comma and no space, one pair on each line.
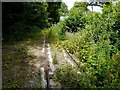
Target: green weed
55,61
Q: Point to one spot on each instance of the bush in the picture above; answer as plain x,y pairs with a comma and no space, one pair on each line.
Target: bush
97,47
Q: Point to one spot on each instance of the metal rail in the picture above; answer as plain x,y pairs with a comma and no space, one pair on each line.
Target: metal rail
71,57
47,75
46,66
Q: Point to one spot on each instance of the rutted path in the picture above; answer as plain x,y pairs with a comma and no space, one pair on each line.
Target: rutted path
37,62
44,62
48,68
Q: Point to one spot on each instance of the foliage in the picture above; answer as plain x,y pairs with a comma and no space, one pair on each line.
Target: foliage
75,21
81,6
55,33
93,37
64,10
55,61
66,76
19,19
70,78
51,34
97,47
15,65
54,12
36,12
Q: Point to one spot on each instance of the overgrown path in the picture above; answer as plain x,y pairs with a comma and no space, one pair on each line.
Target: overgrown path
31,63
48,68
21,62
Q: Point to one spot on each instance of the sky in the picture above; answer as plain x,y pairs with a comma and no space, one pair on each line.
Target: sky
70,4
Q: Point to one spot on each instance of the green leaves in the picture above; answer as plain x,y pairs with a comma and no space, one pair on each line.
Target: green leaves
53,12
19,19
96,45
76,20
66,76
63,11
55,61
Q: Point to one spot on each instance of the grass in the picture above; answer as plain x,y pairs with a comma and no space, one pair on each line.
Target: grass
14,65
35,38
55,61
16,68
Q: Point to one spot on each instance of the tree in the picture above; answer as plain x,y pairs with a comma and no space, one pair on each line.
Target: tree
76,21
54,12
11,14
20,18
100,4
64,9
36,12
81,6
